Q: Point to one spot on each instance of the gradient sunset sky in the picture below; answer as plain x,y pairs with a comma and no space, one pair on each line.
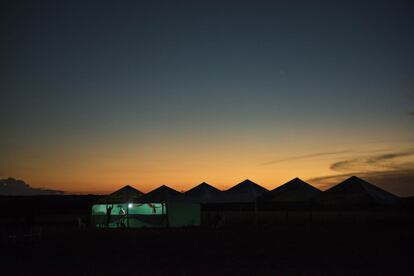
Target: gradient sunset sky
99,94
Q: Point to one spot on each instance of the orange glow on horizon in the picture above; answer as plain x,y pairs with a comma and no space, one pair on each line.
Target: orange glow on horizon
102,169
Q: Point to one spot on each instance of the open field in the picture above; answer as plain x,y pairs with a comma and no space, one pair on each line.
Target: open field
321,249
331,243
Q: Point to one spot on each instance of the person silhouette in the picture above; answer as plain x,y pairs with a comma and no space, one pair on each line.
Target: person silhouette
122,214
108,214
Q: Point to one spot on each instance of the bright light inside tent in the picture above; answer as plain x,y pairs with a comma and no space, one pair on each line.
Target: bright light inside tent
129,205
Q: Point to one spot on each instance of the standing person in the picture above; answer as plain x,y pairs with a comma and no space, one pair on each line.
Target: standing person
122,214
108,214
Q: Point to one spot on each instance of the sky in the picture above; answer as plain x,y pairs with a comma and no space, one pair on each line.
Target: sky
99,94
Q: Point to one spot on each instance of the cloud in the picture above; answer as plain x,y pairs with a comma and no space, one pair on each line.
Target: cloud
318,154
391,171
387,161
307,156
345,165
11,186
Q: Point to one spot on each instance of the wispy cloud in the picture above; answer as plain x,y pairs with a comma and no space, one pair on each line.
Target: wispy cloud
306,156
387,161
319,154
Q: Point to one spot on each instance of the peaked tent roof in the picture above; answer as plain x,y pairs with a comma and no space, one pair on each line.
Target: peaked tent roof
245,191
296,190
160,194
203,192
123,195
357,190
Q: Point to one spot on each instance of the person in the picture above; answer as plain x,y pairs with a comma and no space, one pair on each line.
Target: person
154,210
122,214
108,214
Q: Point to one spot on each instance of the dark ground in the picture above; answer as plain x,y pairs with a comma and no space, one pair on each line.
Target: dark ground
310,248
334,249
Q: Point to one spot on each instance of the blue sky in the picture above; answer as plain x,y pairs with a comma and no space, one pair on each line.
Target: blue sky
284,78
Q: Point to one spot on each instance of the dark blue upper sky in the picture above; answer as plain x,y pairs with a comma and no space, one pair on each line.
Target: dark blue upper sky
77,72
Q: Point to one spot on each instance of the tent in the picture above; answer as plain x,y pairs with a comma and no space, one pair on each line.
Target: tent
114,209
203,193
176,210
161,194
245,191
356,191
296,190
130,208
125,194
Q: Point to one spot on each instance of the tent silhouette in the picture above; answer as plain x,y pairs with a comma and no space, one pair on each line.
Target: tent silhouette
124,195
203,193
245,191
355,190
296,190
160,194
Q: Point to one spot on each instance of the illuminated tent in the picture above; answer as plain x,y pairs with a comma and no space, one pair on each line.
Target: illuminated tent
296,190
203,193
114,210
246,191
356,191
129,208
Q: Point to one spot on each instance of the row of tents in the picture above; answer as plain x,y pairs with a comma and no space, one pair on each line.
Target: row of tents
166,207
353,190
